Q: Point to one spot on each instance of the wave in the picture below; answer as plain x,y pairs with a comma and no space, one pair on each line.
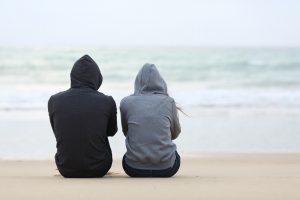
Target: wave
27,100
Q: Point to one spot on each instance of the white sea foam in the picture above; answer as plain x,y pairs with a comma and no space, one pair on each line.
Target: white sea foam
36,99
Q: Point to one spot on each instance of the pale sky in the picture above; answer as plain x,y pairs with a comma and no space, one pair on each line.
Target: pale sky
150,23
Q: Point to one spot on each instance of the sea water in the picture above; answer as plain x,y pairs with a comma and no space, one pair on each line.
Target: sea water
235,99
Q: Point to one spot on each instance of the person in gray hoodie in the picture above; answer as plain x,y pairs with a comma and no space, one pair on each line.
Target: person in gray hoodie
150,122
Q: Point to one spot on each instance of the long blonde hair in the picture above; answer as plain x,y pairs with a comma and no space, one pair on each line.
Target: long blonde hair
179,108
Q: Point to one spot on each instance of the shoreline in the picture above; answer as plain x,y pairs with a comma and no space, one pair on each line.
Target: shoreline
246,155
205,176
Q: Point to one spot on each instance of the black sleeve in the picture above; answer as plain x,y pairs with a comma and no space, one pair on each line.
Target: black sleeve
112,123
50,111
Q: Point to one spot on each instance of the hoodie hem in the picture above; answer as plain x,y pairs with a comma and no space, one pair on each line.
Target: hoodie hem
150,166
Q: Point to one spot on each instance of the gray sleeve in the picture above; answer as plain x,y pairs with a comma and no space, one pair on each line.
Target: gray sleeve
123,119
175,125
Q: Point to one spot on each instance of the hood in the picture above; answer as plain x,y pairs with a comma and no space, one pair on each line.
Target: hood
148,80
86,73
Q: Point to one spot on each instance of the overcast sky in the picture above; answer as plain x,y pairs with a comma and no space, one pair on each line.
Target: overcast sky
152,22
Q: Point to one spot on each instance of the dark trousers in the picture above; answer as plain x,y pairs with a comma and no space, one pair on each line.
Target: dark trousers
100,172
169,172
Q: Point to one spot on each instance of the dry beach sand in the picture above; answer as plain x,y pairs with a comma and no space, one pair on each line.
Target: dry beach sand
205,176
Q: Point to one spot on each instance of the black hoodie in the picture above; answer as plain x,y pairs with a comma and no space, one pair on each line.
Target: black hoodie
81,119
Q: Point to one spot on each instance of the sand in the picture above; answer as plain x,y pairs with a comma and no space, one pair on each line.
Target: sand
205,176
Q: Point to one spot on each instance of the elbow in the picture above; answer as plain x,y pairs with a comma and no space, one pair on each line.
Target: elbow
113,132
124,132
174,136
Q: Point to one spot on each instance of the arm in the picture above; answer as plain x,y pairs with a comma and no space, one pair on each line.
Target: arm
50,111
175,125
123,120
112,123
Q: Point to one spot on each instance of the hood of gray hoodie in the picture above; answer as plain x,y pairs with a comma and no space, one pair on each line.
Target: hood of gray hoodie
148,80
86,73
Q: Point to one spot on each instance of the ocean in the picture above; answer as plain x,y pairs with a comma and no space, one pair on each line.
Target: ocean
236,99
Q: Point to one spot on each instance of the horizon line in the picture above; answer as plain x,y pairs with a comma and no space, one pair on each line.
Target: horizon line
112,46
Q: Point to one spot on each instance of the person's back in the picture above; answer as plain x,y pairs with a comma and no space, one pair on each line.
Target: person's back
82,118
150,123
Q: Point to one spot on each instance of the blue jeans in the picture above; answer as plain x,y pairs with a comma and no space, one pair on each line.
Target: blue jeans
169,172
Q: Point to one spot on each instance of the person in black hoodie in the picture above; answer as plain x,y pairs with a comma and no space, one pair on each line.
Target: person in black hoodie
82,118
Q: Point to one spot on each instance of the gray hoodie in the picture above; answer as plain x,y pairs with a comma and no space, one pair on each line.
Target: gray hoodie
150,122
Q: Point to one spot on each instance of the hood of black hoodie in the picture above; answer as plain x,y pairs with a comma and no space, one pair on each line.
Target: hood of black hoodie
86,73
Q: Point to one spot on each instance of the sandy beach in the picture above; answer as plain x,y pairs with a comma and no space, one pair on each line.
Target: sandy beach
205,176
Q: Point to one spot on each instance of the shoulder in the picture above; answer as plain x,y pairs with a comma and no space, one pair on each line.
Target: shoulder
170,99
127,100
54,99
58,95
167,99
106,98
169,103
